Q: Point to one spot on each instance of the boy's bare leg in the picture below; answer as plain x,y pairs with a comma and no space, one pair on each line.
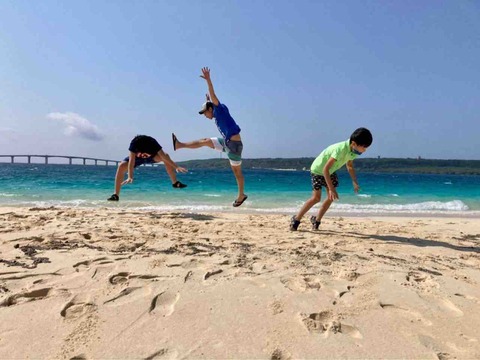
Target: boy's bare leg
194,144
172,174
323,209
120,175
237,171
316,195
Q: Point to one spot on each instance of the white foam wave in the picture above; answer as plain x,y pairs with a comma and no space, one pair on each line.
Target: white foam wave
427,206
212,195
364,195
7,195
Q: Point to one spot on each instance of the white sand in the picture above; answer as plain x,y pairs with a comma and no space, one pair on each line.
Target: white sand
103,283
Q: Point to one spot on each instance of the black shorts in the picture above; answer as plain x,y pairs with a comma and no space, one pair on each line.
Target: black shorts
141,161
319,180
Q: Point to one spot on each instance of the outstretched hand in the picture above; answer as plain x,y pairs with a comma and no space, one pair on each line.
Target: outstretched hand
181,169
128,181
205,73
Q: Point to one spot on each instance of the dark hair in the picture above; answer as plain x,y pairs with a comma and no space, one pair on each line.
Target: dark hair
209,105
362,137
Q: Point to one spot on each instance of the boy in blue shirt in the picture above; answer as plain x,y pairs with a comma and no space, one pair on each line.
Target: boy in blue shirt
323,174
230,142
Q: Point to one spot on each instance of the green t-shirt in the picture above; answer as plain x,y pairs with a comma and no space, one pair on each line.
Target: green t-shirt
339,151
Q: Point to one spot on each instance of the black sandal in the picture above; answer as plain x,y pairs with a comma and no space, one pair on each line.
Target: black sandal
294,223
174,141
179,185
237,203
315,223
114,197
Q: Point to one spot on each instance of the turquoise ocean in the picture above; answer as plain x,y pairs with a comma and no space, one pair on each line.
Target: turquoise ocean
212,190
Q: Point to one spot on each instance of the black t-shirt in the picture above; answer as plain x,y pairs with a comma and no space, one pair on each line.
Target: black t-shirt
145,144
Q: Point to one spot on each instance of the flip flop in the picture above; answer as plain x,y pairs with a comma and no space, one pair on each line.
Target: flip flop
114,197
237,203
174,141
179,185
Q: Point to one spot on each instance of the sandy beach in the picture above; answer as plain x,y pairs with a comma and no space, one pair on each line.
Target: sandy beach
112,283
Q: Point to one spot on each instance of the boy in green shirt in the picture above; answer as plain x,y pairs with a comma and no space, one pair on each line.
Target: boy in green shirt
323,174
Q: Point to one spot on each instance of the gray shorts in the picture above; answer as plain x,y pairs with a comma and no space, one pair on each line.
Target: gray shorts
232,148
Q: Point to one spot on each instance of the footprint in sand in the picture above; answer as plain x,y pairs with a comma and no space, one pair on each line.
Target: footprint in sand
124,277
451,307
78,307
468,297
125,296
276,307
325,322
406,312
163,354
421,281
294,284
24,297
278,354
164,303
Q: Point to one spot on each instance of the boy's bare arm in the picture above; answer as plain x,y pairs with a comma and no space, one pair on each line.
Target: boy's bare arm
206,76
332,193
131,166
166,160
353,175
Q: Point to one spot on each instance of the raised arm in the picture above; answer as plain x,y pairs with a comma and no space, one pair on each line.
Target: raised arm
206,76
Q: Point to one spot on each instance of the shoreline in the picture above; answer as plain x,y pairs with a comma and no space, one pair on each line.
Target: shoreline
473,214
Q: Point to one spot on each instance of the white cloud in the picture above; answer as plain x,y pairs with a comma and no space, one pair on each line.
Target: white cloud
77,125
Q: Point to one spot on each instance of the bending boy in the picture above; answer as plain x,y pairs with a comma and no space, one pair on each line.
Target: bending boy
144,150
230,142
323,174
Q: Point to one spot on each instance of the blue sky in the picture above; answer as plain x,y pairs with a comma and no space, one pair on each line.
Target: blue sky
84,77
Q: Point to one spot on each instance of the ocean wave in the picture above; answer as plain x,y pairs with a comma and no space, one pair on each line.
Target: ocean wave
427,206
364,195
7,195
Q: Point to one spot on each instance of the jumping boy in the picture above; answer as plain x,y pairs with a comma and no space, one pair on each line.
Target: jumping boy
323,174
230,142
144,150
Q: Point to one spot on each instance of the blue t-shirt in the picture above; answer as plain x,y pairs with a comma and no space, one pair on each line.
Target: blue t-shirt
225,123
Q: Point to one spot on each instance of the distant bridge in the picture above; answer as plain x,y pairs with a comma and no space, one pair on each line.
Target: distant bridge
70,159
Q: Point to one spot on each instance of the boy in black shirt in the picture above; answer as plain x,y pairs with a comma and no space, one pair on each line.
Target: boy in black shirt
144,150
